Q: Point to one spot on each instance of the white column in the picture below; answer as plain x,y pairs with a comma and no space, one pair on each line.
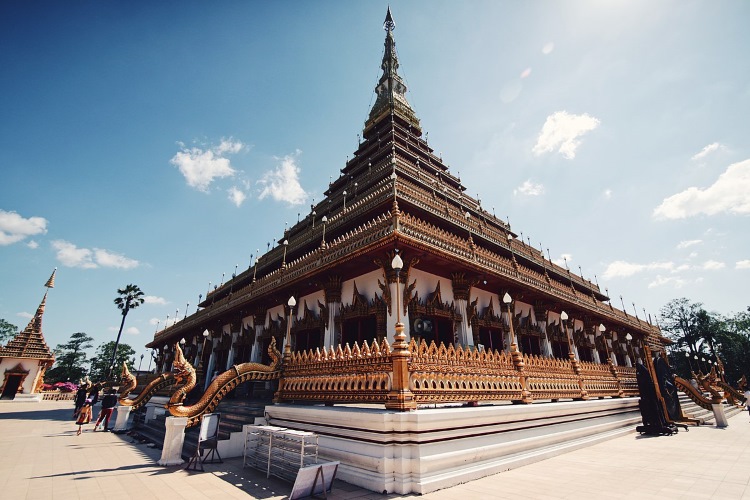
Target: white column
211,363
464,330
256,356
230,357
171,453
719,415
123,412
332,330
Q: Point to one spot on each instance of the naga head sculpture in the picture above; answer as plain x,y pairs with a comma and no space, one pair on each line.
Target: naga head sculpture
181,367
127,381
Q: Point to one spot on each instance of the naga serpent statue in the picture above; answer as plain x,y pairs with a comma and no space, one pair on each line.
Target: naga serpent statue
220,386
129,384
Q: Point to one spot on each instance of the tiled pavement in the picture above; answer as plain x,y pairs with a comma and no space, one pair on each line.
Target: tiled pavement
42,458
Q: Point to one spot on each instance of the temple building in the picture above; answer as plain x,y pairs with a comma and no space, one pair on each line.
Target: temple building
467,278
25,358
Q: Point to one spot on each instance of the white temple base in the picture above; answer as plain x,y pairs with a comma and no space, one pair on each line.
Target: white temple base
434,448
123,413
174,438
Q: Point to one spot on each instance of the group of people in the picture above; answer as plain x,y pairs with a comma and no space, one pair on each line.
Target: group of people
86,397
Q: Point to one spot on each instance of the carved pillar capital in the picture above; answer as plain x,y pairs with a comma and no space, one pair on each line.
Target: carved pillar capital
332,289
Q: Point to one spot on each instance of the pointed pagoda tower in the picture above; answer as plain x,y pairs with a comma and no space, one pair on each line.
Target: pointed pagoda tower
25,358
466,277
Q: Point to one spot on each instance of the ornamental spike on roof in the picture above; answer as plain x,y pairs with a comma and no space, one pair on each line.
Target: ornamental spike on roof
391,88
30,342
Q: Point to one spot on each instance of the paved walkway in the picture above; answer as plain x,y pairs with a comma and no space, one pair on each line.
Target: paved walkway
42,458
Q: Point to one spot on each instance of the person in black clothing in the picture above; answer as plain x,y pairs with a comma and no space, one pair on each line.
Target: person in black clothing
94,394
109,401
80,399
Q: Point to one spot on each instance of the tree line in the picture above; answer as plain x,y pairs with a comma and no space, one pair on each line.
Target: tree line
701,337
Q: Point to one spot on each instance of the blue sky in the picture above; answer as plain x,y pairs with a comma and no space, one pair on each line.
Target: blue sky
162,143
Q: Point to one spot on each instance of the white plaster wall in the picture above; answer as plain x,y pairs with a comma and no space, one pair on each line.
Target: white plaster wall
483,301
275,312
427,283
311,300
367,285
28,364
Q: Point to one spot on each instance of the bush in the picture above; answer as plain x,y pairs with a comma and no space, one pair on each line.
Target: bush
65,386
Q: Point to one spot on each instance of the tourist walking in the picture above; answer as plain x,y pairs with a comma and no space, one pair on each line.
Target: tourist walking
84,416
109,401
80,398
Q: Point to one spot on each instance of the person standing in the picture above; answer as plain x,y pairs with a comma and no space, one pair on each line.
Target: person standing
747,398
109,401
80,398
84,416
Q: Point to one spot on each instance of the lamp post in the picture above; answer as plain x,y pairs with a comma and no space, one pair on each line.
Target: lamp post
507,300
564,321
400,397
139,364
324,220
603,329
629,337
186,310
288,344
344,193
283,260
150,359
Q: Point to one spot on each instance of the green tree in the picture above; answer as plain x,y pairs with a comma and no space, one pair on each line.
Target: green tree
130,297
70,359
733,345
101,363
7,331
679,322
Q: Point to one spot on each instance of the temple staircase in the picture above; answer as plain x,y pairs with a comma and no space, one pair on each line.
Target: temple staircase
234,414
705,417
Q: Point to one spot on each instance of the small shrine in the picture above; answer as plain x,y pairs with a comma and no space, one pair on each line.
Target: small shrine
25,358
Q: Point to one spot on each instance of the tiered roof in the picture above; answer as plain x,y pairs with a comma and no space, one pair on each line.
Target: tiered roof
395,191
30,342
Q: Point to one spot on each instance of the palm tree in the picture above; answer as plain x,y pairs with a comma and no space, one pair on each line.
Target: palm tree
130,297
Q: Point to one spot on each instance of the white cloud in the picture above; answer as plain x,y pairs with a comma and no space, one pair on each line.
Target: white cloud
561,131
622,269
706,151
201,166
106,258
528,188
14,228
548,48
236,196
32,244
713,265
666,280
729,194
132,331
152,299
71,256
607,194
282,184
742,264
560,261
525,73
25,315
688,243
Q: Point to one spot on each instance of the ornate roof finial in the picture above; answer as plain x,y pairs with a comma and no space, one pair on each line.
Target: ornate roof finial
51,281
389,24
391,88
